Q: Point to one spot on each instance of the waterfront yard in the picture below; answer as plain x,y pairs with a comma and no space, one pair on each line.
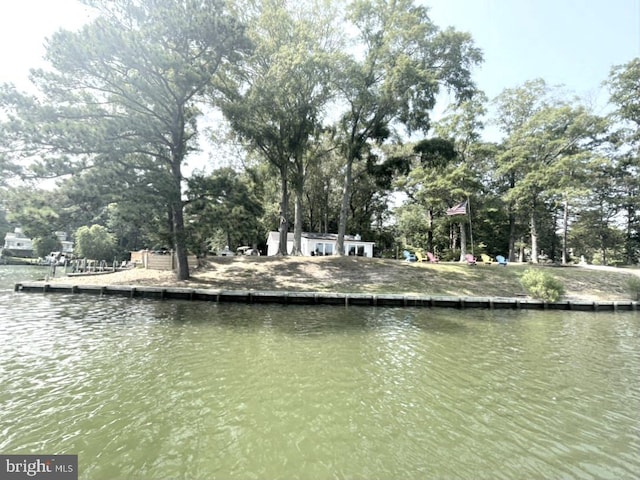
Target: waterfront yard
372,275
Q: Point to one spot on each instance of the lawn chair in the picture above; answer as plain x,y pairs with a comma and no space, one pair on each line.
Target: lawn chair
501,260
420,258
408,257
471,260
432,258
486,259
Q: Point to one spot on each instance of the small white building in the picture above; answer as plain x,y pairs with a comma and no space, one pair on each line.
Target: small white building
22,245
322,244
18,242
67,245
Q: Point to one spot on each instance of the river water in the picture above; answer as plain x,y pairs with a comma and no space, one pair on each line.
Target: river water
147,389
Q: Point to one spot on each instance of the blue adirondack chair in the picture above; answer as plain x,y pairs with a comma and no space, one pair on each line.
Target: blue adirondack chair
501,260
409,257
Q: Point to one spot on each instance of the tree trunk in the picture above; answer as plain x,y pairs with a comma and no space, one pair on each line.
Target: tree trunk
182,272
346,191
297,222
177,221
463,241
453,237
297,226
283,228
565,229
534,239
629,241
430,230
512,237
512,224
521,251
554,238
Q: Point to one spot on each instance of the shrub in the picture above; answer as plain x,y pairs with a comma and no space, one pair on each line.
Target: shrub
542,285
95,243
633,283
43,246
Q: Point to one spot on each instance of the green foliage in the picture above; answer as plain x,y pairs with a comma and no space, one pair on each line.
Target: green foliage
43,246
321,92
275,102
624,85
36,211
544,157
624,82
127,89
95,243
222,207
633,284
412,224
594,237
542,285
137,225
5,226
393,79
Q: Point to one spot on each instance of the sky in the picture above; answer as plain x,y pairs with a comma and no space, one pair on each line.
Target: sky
570,42
566,42
24,26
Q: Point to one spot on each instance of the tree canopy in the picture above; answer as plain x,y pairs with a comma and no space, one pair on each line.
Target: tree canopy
125,90
330,106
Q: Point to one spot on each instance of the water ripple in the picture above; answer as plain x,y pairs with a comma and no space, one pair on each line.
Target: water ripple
147,389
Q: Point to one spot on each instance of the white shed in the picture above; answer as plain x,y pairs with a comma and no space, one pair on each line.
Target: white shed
321,244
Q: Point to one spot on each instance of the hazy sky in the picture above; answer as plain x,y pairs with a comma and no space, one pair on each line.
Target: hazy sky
570,42
24,24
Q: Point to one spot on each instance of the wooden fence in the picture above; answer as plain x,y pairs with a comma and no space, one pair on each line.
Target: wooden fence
159,261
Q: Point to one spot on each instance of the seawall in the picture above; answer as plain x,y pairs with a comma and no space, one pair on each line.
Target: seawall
323,298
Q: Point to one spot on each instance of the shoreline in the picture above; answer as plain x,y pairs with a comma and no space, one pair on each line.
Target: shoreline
358,275
324,298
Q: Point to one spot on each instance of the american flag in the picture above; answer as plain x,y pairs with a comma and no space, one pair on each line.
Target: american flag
460,209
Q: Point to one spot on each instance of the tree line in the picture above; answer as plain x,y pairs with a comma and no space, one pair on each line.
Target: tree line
325,112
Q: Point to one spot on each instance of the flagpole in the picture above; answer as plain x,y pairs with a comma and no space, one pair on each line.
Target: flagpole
470,228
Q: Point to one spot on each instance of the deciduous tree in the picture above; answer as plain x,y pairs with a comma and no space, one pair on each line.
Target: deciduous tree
624,86
401,60
95,243
223,201
276,104
543,153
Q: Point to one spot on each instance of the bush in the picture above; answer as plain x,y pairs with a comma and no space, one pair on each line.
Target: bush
95,243
634,287
542,285
43,246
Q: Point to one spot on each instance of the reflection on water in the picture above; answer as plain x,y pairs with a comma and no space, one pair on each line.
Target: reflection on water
150,389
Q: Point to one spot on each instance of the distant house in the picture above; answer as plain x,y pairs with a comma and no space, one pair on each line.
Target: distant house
22,246
67,245
321,244
19,244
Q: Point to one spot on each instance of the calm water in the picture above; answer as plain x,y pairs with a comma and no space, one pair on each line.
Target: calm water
157,390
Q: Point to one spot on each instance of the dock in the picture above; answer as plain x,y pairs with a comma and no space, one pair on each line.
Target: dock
322,298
